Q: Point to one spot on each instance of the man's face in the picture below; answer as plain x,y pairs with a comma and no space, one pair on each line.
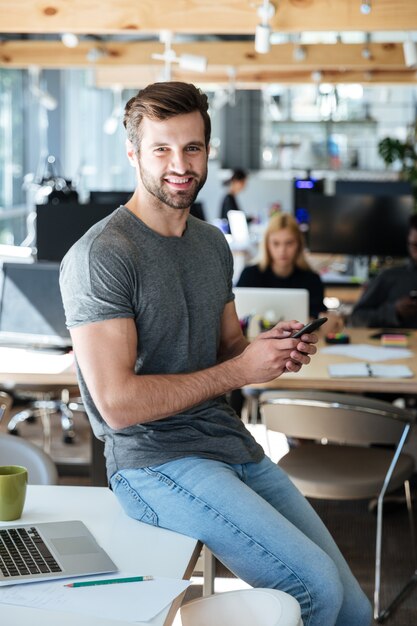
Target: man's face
412,244
172,159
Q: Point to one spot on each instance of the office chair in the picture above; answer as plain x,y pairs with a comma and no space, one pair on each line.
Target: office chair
41,468
244,607
348,467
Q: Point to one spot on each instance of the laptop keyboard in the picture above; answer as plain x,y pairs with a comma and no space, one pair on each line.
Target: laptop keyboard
23,551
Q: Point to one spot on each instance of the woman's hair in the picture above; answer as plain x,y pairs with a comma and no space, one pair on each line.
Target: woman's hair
282,221
161,101
237,175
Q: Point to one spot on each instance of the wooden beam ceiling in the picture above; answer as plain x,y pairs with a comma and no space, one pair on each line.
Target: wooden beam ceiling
201,16
131,64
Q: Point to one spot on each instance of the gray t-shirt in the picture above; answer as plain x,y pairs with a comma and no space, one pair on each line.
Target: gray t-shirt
175,288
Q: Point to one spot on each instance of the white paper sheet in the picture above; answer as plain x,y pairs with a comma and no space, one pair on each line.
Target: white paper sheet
364,370
367,352
132,602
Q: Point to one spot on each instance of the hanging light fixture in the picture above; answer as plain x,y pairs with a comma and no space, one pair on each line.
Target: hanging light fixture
263,30
112,122
44,97
188,62
366,7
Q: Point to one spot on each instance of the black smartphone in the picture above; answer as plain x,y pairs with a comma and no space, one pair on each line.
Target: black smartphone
310,327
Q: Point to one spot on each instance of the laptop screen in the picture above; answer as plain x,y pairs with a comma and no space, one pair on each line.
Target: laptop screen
273,304
31,309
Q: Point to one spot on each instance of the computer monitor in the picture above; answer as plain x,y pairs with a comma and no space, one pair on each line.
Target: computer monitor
373,187
272,304
31,309
116,198
59,227
360,225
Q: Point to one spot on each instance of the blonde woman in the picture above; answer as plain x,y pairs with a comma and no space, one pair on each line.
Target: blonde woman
283,264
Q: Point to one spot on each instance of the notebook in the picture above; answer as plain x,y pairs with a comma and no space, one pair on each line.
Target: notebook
49,550
272,304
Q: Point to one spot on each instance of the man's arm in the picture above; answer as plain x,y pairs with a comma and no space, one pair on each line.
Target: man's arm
106,354
374,308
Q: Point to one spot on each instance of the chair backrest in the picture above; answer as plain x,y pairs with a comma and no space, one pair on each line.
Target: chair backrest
244,607
5,405
340,418
41,468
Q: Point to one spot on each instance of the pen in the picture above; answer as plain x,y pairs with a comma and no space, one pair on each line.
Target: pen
110,581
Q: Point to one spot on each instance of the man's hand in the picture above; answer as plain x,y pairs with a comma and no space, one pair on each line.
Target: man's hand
406,308
274,352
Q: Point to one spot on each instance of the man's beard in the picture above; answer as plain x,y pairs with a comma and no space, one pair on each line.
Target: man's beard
181,199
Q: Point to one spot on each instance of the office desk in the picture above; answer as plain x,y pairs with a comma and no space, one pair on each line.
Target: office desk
316,376
133,546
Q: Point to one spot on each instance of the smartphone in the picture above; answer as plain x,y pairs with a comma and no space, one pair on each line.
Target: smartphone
310,327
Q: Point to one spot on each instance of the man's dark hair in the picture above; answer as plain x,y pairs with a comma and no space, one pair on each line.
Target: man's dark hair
161,101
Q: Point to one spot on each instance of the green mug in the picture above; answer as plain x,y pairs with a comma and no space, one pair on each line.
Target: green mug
13,481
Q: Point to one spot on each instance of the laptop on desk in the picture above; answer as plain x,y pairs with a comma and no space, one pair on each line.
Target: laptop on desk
31,309
49,550
272,304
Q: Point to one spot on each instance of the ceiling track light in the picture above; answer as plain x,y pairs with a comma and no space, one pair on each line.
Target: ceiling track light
299,53
44,98
263,30
410,53
70,40
366,51
187,62
96,53
366,7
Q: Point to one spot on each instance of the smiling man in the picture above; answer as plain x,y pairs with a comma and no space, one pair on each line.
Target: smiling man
149,303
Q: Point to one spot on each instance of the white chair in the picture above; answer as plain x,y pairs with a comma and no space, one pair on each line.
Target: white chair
41,468
5,405
347,467
245,607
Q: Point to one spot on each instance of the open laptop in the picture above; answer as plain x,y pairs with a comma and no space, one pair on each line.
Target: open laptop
272,304
49,550
31,309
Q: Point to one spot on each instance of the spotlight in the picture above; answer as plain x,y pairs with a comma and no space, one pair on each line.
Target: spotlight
410,53
366,7
263,31
192,62
262,34
299,53
70,40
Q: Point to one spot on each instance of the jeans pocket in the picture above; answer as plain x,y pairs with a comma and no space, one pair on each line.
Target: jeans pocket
131,500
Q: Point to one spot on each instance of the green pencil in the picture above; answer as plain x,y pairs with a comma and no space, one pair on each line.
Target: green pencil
110,581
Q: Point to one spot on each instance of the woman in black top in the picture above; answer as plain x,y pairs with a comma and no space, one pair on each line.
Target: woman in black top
235,184
283,265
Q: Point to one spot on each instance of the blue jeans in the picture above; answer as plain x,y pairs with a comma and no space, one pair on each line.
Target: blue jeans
257,523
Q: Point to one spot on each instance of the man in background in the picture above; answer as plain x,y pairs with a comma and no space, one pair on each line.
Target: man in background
390,300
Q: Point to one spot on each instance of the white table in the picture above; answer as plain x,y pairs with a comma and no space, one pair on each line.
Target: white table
132,545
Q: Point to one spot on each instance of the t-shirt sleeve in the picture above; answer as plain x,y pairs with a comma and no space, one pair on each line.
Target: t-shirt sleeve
95,285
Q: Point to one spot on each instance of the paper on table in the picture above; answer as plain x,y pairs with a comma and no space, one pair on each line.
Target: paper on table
132,602
364,370
368,353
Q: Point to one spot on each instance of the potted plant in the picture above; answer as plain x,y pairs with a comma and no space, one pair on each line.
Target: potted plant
392,150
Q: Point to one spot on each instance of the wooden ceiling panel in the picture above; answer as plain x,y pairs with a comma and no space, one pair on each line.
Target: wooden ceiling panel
200,16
